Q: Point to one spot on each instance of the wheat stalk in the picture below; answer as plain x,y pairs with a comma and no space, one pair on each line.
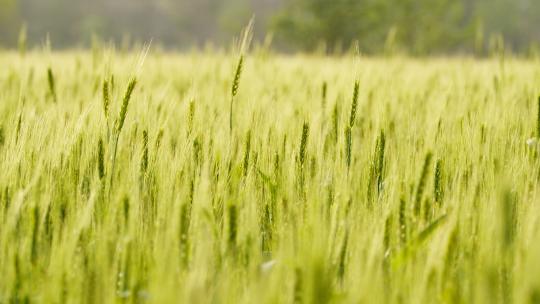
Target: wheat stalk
246,39
120,124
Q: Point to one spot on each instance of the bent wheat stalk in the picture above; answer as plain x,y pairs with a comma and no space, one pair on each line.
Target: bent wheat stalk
120,124
246,39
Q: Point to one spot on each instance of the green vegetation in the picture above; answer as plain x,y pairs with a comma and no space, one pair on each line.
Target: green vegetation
416,27
401,180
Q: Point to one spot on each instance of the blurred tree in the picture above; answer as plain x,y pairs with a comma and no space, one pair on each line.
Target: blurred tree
422,25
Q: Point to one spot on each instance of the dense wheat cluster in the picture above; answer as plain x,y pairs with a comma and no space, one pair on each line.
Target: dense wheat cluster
355,180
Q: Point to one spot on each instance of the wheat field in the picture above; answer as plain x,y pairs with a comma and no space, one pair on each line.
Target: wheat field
187,178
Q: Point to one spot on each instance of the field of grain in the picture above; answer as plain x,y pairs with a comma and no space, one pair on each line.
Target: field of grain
337,180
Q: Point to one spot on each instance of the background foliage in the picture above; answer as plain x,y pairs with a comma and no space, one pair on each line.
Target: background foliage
417,26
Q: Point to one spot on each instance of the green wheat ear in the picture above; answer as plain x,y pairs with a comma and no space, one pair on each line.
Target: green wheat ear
51,83
144,157
354,105
246,40
247,153
233,225
348,129
234,88
120,124
403,218
348,146
18,128
303,145
237,75
125,104
324,93
106,99
191,116
379,160
335,122
437,182
422,182
159,139
101,159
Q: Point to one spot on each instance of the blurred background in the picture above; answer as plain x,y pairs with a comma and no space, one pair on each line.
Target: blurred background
330,26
